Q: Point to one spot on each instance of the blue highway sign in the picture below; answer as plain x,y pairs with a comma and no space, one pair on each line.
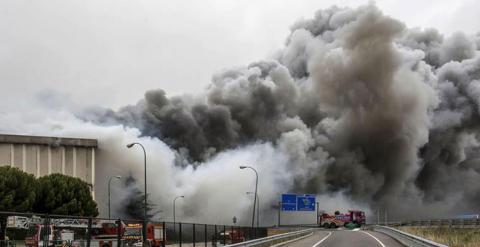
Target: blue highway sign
306,203
289,202
289,198
293,202
289,207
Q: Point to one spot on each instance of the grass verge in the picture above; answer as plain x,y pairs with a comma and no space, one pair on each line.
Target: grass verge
453,237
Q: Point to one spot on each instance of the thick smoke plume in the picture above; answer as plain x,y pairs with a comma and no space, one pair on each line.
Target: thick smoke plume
356,108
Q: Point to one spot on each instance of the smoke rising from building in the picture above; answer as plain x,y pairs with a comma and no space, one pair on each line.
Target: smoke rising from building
356,108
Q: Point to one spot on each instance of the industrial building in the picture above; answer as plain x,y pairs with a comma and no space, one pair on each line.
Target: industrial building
40,156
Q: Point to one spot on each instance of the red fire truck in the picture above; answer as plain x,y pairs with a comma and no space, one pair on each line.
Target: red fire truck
355,217
72,232
133,234
232,236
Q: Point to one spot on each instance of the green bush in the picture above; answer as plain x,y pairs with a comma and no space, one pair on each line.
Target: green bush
65,195
17,193
17,190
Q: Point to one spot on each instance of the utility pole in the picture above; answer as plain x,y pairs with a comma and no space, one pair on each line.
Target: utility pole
258,206
144,226
255,198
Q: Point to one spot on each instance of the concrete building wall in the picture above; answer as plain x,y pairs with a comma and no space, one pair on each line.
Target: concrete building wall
56,160
43,164
69,161
18,156
5,154
42,156
31,159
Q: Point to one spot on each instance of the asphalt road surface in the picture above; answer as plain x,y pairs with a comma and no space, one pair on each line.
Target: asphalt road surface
345,238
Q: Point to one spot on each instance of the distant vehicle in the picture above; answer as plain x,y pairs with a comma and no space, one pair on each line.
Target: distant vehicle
231,236
355,217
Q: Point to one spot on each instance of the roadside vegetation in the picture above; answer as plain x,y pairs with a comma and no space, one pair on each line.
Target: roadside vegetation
453,237
53,194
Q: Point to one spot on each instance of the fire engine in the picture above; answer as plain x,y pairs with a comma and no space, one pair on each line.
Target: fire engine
133,234
73,232
65,231
232,236
356,217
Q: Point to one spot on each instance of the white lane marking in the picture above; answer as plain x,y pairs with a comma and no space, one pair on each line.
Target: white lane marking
323,239
293,240
381,244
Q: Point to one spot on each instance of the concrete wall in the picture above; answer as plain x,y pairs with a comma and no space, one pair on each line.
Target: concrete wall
42,156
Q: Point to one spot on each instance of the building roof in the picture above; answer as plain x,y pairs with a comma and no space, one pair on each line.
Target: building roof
48,140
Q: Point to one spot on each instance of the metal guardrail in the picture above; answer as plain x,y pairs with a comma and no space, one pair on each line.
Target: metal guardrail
458,223
275,239
454,223
406,239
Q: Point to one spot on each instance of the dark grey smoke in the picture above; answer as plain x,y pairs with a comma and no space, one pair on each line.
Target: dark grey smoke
392,114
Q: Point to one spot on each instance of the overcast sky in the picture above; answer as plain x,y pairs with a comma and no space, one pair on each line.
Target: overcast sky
109,52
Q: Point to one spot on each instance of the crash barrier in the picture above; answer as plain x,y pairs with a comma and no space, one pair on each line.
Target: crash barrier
407,239
33,230
453,223
276,239
457,223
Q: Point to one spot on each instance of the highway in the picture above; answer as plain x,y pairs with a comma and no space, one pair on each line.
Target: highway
345,238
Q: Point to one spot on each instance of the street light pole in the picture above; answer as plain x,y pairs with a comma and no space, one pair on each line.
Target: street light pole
258,207
256,185
144,230
109,181
174,200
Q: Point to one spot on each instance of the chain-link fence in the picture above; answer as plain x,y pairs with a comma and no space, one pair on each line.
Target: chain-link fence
41,230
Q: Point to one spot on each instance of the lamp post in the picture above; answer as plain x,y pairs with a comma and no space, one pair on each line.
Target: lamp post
258,206
256,185
174,200
144,230
110,181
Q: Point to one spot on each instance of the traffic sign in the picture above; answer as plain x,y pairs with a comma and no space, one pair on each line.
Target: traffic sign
289,202
289,207
293,202
306,203
289,198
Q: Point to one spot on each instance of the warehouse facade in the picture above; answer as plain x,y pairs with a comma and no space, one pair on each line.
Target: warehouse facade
40,156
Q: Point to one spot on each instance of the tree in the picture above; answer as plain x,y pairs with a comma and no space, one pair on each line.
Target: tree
17,193
65,195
